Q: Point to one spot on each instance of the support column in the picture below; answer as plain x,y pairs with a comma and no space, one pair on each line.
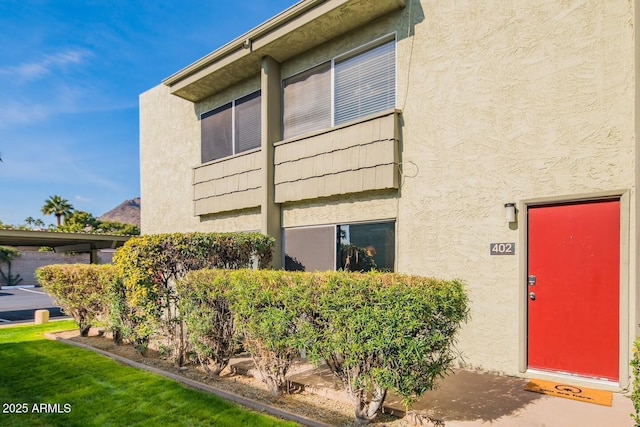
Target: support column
271,106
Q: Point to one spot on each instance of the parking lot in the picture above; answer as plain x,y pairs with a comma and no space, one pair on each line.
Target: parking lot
19,304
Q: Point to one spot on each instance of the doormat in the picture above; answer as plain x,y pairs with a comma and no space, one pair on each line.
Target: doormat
598,397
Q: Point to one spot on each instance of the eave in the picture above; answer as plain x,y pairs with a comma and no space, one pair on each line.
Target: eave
303,26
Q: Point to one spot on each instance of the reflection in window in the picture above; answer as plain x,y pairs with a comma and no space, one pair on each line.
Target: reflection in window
345,89
352,247
231,128
309,249
365,247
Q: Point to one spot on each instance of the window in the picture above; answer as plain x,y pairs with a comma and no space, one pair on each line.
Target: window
364,247
342,90
354,247
231,129
310,248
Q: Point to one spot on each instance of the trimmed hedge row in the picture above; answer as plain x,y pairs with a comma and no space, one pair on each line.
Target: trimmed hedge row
375,331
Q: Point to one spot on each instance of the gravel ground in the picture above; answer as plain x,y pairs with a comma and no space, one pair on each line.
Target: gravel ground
302,402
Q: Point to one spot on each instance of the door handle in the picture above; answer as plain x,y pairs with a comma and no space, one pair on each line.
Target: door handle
532,296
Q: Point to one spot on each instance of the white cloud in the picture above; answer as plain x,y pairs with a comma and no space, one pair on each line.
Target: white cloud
82,199
46,65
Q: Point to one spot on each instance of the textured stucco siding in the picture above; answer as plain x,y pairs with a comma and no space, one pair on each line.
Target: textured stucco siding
504,102
362,207
228,184
500,102
348,159
169,148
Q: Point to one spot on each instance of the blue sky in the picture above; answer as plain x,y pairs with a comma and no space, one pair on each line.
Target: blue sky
71,73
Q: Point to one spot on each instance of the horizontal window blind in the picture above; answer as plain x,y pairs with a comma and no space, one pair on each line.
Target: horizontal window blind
216,136
365,83
247,122
231,129
307,101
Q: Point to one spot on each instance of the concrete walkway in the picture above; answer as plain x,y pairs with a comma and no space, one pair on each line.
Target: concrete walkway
466,399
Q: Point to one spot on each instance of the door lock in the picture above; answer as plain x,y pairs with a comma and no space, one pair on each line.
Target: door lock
531,280
532,296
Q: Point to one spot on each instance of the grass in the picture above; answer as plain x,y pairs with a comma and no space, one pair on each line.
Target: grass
92,390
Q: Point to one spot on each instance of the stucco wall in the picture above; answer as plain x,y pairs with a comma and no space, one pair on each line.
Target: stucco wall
507,101
501,102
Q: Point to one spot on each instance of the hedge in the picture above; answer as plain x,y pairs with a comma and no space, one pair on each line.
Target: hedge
148,267
376,331
635,393
80,289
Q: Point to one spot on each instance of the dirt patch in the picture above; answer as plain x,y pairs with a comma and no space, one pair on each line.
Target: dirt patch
235,379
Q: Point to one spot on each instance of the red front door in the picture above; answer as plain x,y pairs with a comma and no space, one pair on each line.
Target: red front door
573,288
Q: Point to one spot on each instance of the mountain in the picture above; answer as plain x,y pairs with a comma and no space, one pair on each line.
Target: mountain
128,212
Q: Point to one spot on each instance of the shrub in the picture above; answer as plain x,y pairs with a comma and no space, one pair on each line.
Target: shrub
149,267
635,394
80,289
205,307
7,254
384,331
266,306
375,331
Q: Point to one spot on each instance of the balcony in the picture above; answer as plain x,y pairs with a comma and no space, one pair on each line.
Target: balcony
228,184
352,158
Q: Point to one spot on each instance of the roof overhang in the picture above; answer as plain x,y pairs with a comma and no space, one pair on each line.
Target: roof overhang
60,241
303,26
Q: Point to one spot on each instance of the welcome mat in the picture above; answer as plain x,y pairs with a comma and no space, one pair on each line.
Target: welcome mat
599,397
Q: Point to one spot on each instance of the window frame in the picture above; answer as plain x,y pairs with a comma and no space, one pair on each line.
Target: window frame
336,240
387,38
232,106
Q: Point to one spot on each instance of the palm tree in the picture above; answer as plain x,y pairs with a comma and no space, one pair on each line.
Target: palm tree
56,205
30,221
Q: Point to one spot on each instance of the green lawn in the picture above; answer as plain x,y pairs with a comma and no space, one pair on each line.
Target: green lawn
85,389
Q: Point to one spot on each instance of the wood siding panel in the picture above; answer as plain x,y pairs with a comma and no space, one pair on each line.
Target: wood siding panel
349,159
228,184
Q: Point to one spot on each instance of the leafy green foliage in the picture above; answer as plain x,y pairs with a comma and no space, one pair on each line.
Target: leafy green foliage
635,394
376,331
7,254
80,289
56,205
149,267
211,328
381,331
266,306
84,222
78,222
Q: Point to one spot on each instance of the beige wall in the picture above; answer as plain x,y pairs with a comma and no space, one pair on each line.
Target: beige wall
507,101
501,102
28,261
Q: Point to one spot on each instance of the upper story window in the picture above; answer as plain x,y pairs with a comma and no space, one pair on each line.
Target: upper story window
344,89
231,128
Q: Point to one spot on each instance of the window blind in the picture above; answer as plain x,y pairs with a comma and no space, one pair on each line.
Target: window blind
307,101
365,83
247,122
216,135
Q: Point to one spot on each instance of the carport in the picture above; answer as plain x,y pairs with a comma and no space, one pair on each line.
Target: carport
62,241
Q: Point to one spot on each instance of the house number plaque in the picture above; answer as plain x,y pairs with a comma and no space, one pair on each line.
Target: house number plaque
502,248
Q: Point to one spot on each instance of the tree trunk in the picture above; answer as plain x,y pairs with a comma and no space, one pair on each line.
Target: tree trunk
84,329
367,412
